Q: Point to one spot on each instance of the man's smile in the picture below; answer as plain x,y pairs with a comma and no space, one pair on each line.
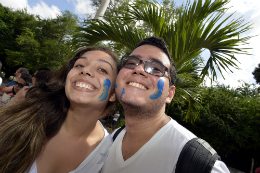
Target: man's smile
138,85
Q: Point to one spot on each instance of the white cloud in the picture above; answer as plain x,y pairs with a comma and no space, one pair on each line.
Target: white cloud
82,6
243,6
41,8
250,9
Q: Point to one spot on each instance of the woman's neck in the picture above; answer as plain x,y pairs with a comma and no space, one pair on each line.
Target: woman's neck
82,121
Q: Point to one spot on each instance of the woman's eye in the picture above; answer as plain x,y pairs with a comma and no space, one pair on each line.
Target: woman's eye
78,65
102,71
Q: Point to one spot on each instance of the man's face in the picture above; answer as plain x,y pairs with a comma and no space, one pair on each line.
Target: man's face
139,88
20,84
17,73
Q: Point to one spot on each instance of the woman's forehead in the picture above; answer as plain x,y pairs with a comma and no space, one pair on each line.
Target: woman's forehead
98,56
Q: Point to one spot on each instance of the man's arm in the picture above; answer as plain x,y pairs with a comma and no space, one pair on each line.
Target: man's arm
6,90
115,116
20,96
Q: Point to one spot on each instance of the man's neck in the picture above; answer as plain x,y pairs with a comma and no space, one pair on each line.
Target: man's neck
140,132
149,125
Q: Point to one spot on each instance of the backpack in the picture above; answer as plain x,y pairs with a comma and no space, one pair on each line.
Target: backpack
197,156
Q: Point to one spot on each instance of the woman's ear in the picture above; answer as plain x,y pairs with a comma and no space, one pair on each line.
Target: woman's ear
112,98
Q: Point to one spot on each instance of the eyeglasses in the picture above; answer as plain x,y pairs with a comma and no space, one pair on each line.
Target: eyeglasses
151,67
19,84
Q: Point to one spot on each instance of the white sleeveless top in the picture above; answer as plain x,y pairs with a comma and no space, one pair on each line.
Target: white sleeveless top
95,160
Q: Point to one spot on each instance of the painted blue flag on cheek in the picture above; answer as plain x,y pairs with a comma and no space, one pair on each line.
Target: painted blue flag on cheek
123,92
160,86
106,86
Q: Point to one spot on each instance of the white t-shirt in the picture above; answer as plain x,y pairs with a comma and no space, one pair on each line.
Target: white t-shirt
1,81
94,162
117,115
159,154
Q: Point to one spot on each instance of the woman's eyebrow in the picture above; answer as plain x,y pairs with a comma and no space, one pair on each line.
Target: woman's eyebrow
102,60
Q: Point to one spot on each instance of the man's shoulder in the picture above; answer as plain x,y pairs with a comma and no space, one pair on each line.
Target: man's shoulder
10,83
178,130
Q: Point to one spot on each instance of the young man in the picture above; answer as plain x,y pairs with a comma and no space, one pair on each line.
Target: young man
151,141
115,118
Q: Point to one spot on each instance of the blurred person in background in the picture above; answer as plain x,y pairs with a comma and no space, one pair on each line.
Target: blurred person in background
41,76
24,80
0,76
8,87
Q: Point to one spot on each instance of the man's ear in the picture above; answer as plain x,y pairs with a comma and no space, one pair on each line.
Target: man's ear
112,98
170,94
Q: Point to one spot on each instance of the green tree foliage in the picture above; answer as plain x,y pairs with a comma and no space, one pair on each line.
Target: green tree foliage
229,119
197,27
118,8
10,26
32,42
256,74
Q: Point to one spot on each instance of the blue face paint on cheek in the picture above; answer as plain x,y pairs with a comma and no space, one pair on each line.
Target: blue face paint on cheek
160,86
123,92
106,86
65,82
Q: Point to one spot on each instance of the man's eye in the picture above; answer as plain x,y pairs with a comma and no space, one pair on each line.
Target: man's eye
155,69
130,63
102,71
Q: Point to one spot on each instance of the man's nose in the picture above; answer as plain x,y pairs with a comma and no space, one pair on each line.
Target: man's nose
139,69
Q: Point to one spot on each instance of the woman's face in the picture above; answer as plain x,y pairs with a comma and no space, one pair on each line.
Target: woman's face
18,86
92,79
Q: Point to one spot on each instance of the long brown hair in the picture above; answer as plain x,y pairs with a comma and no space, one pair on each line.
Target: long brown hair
25,127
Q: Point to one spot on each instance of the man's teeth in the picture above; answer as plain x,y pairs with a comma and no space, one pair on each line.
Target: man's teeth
83,85
137,85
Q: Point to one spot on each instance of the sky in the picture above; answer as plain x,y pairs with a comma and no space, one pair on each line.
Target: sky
249,9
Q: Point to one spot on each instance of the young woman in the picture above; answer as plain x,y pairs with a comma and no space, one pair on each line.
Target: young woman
56,128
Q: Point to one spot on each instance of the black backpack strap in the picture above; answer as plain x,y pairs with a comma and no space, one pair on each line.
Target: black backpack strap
117,132
197,156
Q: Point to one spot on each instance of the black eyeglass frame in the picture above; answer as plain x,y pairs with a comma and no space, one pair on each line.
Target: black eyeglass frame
19,84
140,61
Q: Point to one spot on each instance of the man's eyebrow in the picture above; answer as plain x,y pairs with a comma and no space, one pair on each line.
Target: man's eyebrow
155,60
102,60
150,59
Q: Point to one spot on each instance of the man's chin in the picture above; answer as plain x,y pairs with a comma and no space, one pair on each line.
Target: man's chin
132,102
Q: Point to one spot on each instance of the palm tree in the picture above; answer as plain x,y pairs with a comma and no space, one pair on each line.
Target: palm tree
198,27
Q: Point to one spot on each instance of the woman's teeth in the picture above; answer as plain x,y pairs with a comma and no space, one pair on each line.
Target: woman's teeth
83,85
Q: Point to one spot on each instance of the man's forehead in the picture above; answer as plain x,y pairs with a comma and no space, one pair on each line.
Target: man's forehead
149,52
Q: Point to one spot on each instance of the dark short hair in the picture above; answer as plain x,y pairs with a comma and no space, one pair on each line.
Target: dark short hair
27,78
160,43
24,70
43,76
